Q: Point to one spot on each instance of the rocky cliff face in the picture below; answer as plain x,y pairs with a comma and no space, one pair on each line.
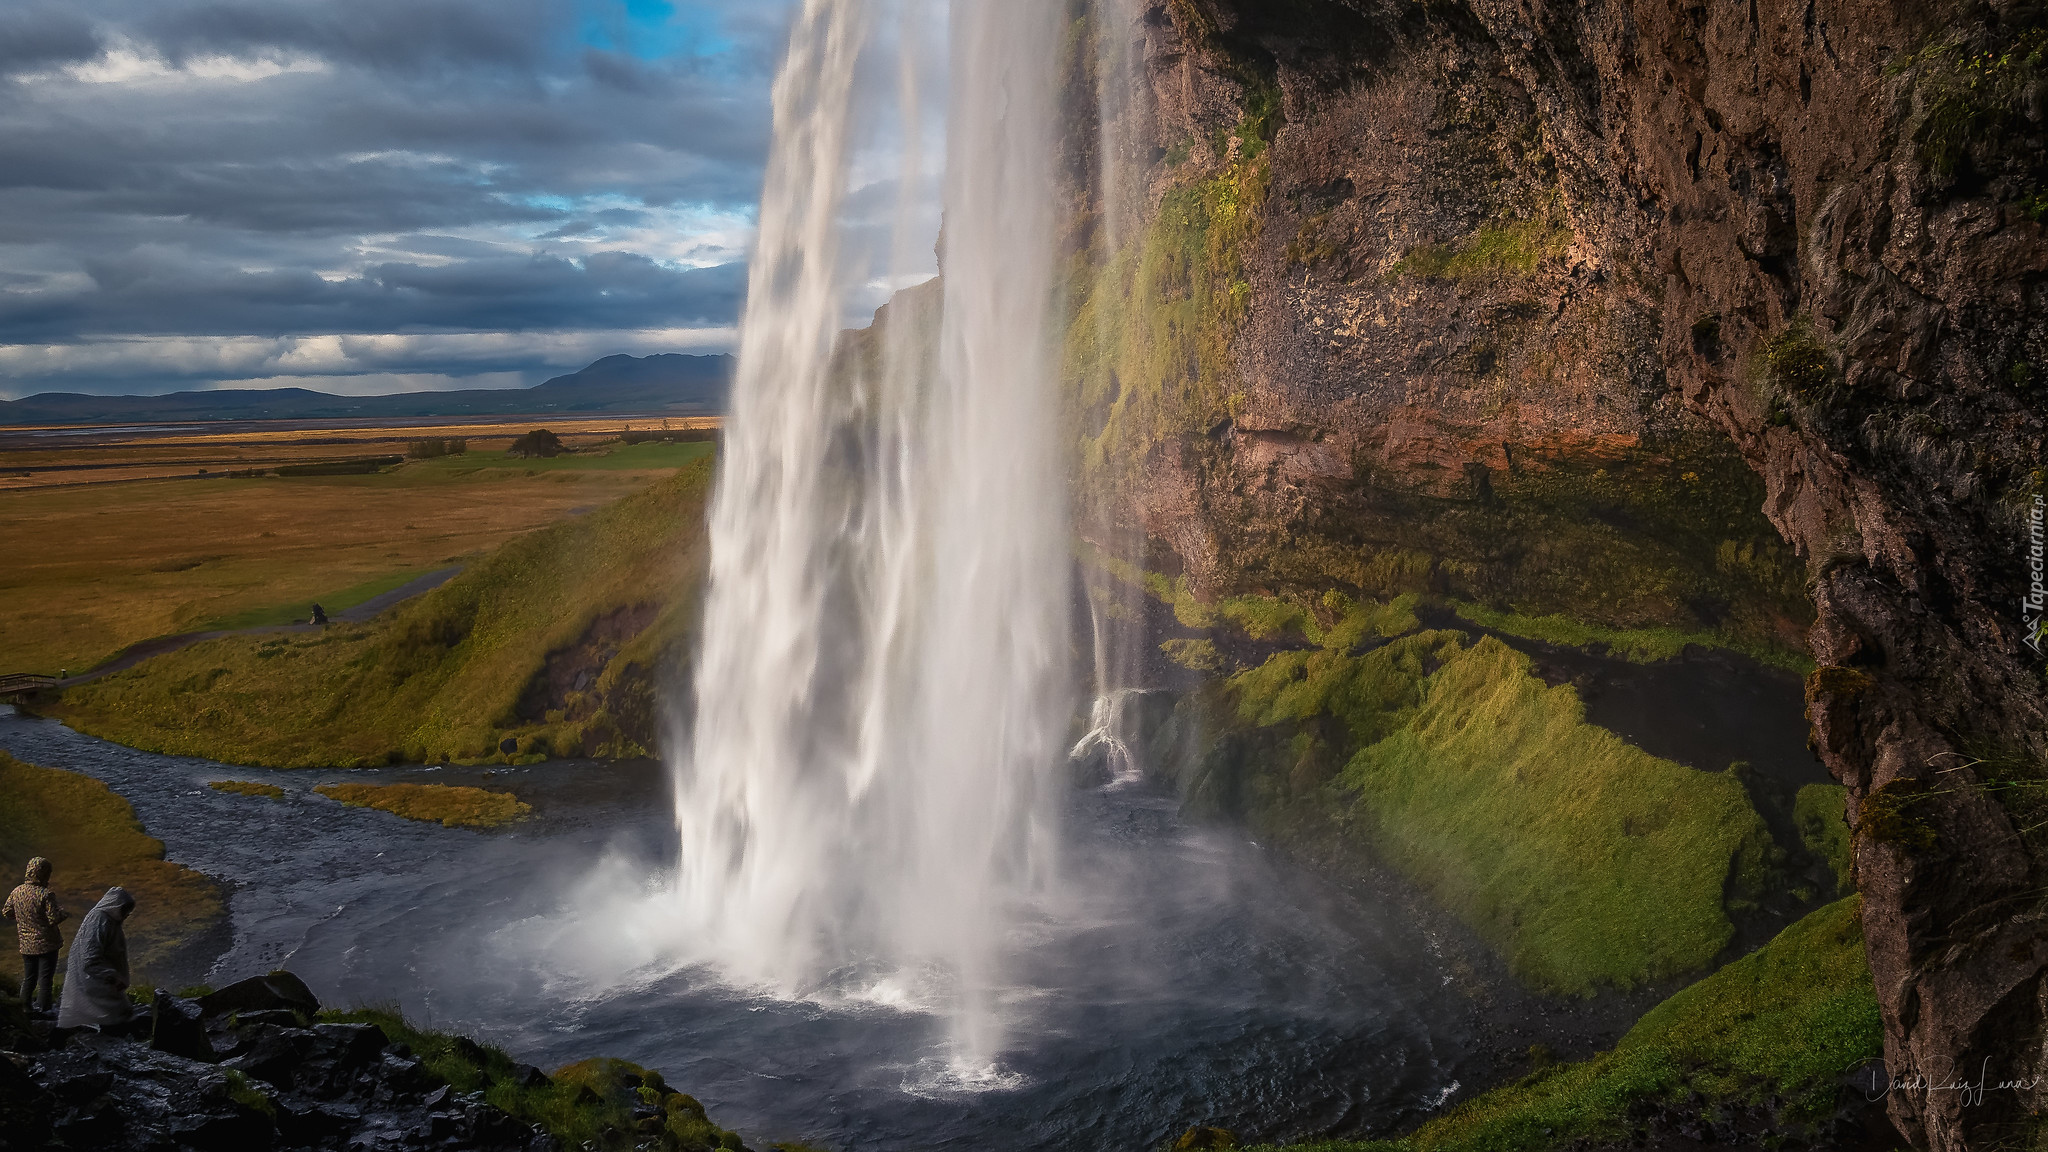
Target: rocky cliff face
1730,319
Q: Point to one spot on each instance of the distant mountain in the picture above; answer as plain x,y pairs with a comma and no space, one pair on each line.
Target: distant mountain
664,383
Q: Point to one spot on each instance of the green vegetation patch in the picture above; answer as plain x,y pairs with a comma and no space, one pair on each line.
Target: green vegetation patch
1495,249
93,841
446,676
248,788
621,457
1818,813
451,806
300,611
1584,859
589,1105
1783,1022
1977,93
1640,645
1148,344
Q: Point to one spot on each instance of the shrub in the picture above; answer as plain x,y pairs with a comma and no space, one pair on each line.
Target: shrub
430,449
539,442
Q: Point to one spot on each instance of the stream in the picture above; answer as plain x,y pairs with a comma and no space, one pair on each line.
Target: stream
1200,981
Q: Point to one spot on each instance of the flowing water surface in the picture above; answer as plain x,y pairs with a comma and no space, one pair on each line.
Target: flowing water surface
1197,980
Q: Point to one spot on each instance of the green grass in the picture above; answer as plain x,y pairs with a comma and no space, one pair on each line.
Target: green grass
589,1105
613,458
1511,248
1640,645
301,611
1585,860
441,677
450,806
1818,813
93,841
1784,1021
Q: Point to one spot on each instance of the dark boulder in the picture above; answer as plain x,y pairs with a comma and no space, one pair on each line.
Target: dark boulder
258,993
175,1027
25,1109
274,1054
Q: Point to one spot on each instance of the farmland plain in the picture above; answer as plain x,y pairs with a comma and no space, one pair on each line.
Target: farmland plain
119,536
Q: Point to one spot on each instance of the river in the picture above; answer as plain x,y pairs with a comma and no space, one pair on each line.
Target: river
1202,982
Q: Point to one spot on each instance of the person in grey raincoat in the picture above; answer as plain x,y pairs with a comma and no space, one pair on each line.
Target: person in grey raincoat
96,977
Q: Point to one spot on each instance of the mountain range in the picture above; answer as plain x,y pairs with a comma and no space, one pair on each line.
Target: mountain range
663,383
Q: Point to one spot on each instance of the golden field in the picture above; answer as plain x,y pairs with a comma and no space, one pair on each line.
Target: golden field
93,568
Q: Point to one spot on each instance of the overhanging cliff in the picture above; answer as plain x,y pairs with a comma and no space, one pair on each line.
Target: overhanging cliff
1729,320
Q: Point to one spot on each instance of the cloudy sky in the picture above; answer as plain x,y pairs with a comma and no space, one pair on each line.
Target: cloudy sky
372,195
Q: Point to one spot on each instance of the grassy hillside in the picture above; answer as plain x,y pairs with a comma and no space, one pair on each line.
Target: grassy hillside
94,842
554,644
1775,1029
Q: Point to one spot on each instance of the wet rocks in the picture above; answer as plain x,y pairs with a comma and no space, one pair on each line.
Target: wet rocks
244,1068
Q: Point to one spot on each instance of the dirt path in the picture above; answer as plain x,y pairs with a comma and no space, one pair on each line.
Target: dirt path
136,653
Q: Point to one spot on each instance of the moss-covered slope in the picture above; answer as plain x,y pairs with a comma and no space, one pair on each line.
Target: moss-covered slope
1585,861
554,644
1775,1030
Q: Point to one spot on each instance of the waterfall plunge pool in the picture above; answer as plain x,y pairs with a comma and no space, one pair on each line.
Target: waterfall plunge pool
1199,981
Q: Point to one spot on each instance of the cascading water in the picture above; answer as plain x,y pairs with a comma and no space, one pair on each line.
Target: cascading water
881,687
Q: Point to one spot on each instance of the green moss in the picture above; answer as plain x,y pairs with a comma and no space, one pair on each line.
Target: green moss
1795,360
1783,1022
440,677
1975,92
1817,812
248,1095
1584,859
1836,683
588,1105
1645,552
1507,248
1354,622
1887,816
1640,645
1148,347
1198,655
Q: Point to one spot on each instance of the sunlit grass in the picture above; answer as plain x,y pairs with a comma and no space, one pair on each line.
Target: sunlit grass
94,569
94,842
437,679
1584,860
451,806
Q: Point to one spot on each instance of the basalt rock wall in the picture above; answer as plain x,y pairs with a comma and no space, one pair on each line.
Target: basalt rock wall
1708,316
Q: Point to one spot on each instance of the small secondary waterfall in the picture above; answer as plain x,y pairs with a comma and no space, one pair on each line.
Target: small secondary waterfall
881,688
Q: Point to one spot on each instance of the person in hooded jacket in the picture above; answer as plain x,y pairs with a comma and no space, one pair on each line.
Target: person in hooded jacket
36,915
96,976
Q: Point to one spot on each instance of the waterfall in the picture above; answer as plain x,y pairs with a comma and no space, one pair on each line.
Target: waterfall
881,686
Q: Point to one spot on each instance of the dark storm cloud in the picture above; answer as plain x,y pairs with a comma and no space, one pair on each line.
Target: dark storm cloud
145,294
304,167
36,37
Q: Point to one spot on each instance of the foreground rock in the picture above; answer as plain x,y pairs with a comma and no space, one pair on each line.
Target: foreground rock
252,1066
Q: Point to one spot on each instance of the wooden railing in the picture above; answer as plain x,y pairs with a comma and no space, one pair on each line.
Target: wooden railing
21,683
